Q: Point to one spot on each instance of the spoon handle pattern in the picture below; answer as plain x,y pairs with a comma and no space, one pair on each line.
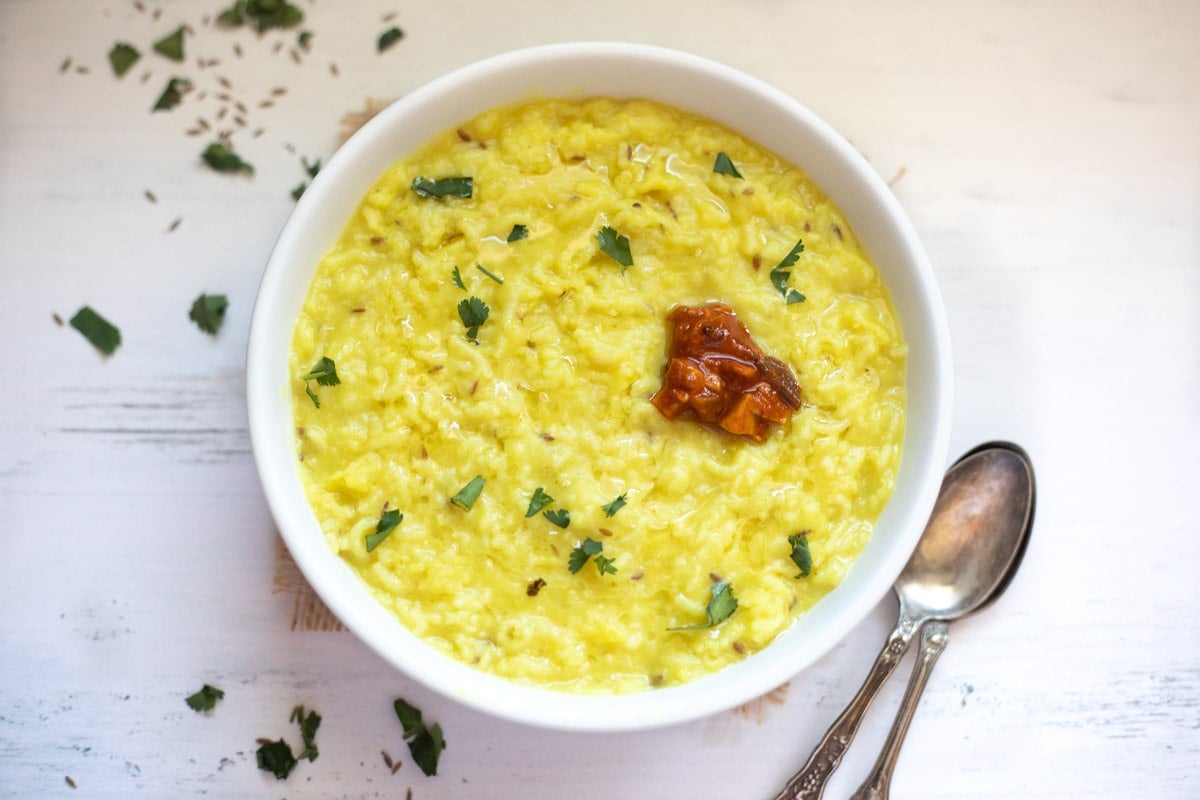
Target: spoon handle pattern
935,635
809,782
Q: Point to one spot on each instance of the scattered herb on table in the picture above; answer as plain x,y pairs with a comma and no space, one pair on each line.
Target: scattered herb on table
103,335
388,522
473,312
615,245
801,556
304,40
221,158
171,45
616,505
312,170
324,372
262,14
172,95
720,607
425,742
558,516
467,495
389,38
724,166
205,699
208,312
276,757
489,273
456,279
122,57
782,271
539,501
308,731
517,233
443,187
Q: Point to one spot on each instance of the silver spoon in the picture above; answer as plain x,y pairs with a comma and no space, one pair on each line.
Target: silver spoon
964,560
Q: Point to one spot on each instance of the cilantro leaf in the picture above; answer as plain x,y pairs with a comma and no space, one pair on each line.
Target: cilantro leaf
263,14
443,187
489,273
221,158
276,758
615,246
298,192
467,495
171,45
801,555
205,699
388,522
172,95
559,516
612,508
308,731
304,39
583,551
324,372
456,279
389,38
425,742
724,166
604,565
720,607
473,312
103,335
539,501
517,233
208,312
122,57
782,272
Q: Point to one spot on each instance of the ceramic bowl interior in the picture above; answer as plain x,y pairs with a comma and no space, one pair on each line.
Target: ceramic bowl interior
764,114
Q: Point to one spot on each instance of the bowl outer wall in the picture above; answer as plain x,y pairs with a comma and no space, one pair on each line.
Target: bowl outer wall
707,88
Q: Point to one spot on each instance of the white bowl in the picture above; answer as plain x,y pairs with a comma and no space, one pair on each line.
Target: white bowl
745,104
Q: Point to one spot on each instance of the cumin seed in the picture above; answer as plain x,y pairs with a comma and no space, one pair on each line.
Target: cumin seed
66,64
151,196
174,225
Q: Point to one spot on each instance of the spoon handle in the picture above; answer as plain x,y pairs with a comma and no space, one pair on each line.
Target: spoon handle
809,782
935,635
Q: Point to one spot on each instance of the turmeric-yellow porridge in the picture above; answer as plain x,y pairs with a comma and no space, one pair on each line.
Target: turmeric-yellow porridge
482,421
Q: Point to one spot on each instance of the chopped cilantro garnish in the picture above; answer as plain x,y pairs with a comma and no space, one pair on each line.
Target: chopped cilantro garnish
518,232
221,158
171,45
205,699
615,506
615,246
559,516
456,279
389,38
489,273
443,187
388,522
324,372
720,607
783,271
539,501
103,335
425,742
582,552
467,495
724,166
263,14
276,758
208,312
605,565
122,57
800,554
473,312
172,95
308,731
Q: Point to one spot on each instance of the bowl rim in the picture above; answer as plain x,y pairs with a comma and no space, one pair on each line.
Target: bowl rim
439,104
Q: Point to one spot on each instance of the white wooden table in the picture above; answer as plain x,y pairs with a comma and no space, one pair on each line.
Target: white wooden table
1049,155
